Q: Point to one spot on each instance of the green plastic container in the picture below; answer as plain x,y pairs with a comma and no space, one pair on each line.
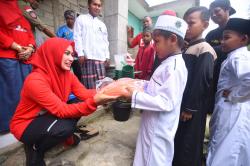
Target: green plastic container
118,74
128,71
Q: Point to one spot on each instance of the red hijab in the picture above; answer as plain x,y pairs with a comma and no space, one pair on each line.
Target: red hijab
47,62
9,13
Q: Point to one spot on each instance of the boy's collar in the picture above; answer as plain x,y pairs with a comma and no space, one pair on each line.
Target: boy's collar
243,48
196,42
173,54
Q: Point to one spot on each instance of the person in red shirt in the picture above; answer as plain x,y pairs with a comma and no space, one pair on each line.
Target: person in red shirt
16,48
132,42
145,56
43,118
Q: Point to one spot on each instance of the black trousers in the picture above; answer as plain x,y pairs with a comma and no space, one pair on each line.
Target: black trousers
47,131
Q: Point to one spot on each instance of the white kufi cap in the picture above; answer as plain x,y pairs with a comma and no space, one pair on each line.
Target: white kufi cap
172,24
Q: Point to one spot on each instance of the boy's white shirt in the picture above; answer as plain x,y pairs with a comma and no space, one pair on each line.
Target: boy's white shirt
229,124
161,103
91,38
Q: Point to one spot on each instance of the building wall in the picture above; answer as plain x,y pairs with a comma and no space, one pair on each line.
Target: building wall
135,22
114,15
51,11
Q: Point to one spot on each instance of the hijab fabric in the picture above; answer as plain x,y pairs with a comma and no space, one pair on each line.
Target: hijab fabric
47,62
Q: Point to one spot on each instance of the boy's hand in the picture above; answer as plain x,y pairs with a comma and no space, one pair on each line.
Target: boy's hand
185,116
129,93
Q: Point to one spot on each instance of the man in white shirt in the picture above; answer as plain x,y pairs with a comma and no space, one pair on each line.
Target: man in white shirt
91,44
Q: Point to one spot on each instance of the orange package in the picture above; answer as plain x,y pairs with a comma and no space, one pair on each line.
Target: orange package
118,88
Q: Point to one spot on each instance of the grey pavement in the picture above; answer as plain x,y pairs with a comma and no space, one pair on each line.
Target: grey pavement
114,146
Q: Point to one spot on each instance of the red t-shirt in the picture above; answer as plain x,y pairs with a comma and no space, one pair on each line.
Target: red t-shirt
20,33
144,61
34,97
137,41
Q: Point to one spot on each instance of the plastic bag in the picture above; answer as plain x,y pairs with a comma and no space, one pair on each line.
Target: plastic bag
119,87
129,60
120,61
102,83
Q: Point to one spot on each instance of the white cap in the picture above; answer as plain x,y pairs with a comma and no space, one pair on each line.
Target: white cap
172,24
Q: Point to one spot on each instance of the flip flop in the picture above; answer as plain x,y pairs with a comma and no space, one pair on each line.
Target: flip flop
83,129
88,135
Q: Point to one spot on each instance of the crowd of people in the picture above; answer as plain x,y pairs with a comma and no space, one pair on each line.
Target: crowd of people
187,77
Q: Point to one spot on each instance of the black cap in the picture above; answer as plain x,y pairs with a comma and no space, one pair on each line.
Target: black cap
223,3
239,25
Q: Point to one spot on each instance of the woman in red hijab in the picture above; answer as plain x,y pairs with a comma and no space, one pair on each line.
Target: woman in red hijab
16,47
43,118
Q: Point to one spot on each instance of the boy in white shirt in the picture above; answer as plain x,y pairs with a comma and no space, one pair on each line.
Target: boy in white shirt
230,121
161,99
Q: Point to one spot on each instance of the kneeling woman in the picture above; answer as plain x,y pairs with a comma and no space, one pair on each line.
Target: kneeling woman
43,119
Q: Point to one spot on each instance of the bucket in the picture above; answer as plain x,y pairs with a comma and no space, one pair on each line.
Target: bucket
121,110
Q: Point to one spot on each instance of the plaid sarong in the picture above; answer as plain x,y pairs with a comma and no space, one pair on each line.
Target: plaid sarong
92,70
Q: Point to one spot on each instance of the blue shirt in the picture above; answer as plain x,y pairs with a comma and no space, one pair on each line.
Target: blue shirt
65,32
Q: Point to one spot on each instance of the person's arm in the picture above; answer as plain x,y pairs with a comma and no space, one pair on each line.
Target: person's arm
59,32
134,42
137,59
240,93
40,92
29,14
78,37
48,32
79,90
7,42
199,84
167,98
107,55
29,48
151,62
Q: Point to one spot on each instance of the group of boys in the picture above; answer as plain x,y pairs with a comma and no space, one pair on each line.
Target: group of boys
182,89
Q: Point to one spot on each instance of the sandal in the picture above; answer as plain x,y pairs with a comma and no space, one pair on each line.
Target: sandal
82,129
86,132
88,135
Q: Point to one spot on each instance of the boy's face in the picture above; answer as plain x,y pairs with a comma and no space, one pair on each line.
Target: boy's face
70,21
195,25
219,15
162,46
232,40
147,37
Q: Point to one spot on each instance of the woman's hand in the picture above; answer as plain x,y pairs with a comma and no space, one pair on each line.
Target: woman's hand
26,53
129,93
16,47
101,98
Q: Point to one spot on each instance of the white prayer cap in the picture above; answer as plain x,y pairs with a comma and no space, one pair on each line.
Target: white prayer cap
172,24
